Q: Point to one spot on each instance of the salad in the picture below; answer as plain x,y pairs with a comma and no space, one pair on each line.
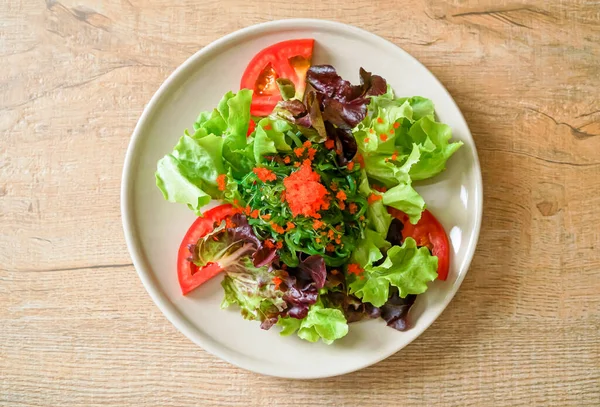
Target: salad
318,224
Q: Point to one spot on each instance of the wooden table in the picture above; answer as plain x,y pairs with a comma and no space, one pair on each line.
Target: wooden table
77,327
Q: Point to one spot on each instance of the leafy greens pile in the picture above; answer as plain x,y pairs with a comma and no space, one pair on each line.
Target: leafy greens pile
310,247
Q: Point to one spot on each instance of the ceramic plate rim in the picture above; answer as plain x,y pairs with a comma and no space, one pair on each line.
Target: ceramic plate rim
130,231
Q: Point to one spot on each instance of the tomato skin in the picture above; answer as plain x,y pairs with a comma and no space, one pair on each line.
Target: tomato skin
191,276
430,233
278,57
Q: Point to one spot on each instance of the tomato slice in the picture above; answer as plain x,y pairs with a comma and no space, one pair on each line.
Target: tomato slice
191,276
287,59
430,233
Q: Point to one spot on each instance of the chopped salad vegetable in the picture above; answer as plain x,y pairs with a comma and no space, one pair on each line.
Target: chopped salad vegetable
321,224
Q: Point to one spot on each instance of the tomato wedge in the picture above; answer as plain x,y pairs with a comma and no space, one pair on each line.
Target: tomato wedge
430,233
191,276
287,59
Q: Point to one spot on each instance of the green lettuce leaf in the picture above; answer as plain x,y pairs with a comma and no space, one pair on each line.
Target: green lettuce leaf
433,139
189,174
262,145
251,288
368,249
327,324
276,130
406,267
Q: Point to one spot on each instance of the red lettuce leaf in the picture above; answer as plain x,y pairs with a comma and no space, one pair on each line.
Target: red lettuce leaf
314,267
395,311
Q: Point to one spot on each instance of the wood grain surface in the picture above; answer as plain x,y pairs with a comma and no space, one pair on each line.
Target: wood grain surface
77,327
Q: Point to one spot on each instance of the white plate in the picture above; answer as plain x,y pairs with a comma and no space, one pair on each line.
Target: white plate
154,227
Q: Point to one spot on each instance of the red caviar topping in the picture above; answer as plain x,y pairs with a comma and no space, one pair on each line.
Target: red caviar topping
304,193
277,228
221,182
299,151
317,224
254,214
264,174
355,269
318,240
307,144
360,160
392,132
269,244
394,156
367,139
251,127
329,144
229,223
267,216
380,189
383,137
350,165
352,208
331,234
311,153
374,198
277,281
342,205
379,120
341,195
396,125
287,160
267,127
297,164
290,226
279,245
330,247
371,131
361,218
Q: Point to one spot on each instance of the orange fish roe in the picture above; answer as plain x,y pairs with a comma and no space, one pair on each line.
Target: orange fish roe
355,269
269,244
229,223
297,164
374,198
283,196
267,127
371,131
279,245
342,205
331,234
396,125
379,188
392,132
367,139
290,226
329,144
317,224
338,240
361,218
338,228
264,174
247,210
267,216
287,160
352,208
277,228
379,120
307,144
221,182
254,214
341,195
277,281
318,240
304,193
350,165
333,186
360,160
330,248
323,233
394,156
299,151
335,272
311,153
383,137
